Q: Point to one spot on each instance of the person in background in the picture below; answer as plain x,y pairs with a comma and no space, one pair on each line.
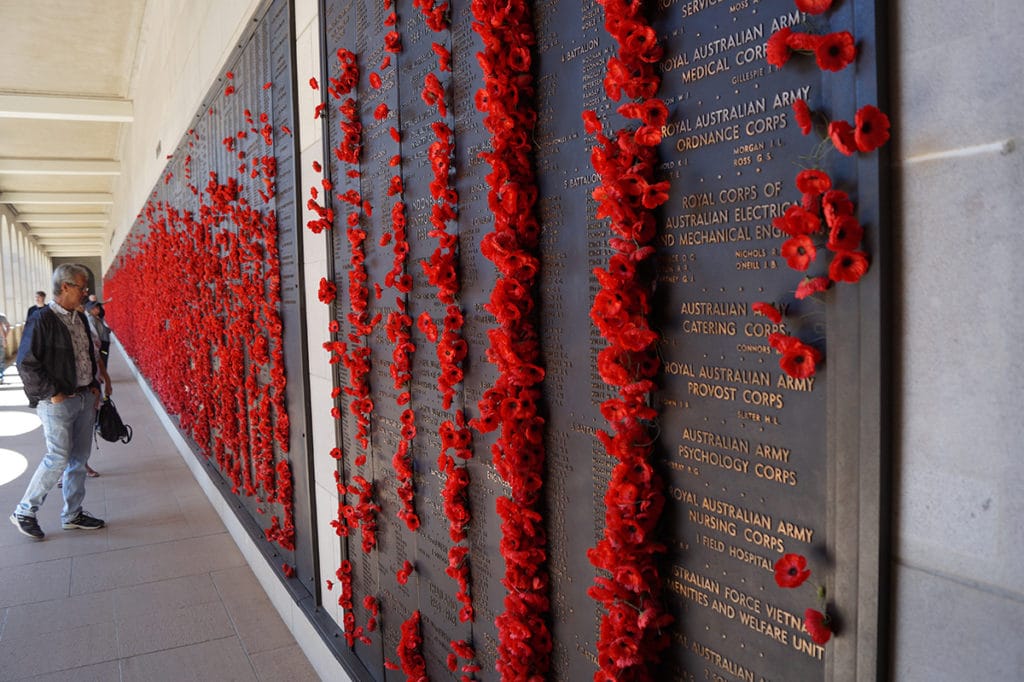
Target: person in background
58,366
100,329
5,327
37,306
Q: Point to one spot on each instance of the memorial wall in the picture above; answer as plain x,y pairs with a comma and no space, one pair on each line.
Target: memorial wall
605,332
742,443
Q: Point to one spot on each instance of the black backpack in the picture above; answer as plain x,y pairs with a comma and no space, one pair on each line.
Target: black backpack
109,425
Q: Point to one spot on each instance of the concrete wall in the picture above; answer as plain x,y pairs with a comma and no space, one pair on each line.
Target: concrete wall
959,112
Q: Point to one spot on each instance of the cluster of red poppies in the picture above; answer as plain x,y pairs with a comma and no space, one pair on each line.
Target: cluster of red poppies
462,649
824,212
791,572
632,632
410,649
511,404
224,319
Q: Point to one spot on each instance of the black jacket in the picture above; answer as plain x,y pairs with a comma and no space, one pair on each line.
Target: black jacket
46,358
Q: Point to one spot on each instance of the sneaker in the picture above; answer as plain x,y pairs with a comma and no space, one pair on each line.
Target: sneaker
27,525
84,522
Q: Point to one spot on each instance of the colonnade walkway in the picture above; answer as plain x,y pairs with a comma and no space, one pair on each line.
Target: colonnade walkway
161,594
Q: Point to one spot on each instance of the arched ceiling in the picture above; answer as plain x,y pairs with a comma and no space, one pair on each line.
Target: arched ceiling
65,75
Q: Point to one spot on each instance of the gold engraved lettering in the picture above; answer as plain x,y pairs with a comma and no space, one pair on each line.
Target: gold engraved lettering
726,664
730,42
747,516
713,522
754,536
810,648
732,195
776,474
791,19
801,533
749,75
743,599
716,391
709,327
727,610
690,8
727,462
720,236
738,376
688,592
699,437
681,495
764,627
794,384
748,557
762,398
721,309
787,97
776,454
702,71
726,134
784,617
678,369
729,114
746,214
703,582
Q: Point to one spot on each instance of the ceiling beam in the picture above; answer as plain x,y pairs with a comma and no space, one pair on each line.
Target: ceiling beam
66,108
59,167
100,198
45,232
63,218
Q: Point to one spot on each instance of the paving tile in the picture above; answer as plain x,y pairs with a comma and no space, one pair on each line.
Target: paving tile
108,671
222,660
163,595
257,622
287,664
137,565
40,618
16,549
172,628
28,655
42,581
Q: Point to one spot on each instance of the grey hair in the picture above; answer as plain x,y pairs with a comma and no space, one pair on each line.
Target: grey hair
67,272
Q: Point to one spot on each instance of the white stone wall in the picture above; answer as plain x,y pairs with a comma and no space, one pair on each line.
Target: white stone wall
958,109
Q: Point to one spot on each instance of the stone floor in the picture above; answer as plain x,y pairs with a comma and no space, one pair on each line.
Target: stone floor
162,593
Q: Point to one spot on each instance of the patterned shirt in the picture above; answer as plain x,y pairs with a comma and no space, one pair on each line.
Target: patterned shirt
80,340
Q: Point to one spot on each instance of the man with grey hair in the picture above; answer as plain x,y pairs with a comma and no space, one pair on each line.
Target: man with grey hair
57,363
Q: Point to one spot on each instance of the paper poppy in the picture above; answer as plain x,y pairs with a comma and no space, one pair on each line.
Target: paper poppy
799,360
799,252
814,6
768,310
845,234
835,51
843,137
817,625
791,571
871,128
777,51
848,266
812,285
802,114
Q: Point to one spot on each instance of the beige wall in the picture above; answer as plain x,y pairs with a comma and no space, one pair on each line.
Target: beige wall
959,172
183,47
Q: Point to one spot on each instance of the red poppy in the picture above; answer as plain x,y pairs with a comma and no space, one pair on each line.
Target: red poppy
836,204
814,6
791,571
843,137
812,285
797,221
802,113
768,310
799,252
591,124
845,234
848,266
817,625
871,128
835,51
813,181
778,51
799,360
803,42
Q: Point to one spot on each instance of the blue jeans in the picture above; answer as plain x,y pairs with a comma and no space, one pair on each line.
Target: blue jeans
67,427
